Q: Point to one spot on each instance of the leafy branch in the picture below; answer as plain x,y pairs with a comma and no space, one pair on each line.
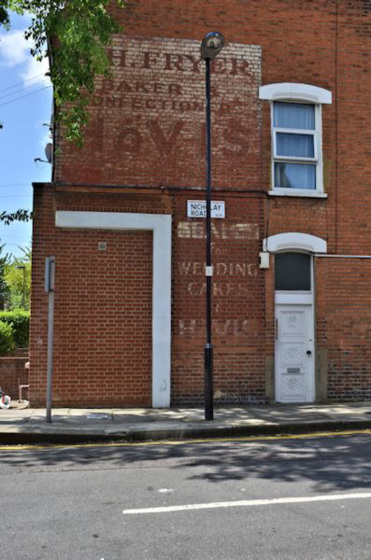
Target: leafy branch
74,35
20,215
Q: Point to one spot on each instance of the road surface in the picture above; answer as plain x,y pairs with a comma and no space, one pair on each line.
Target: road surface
284,499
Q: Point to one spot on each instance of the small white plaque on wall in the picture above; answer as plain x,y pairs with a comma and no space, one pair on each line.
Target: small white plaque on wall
197,209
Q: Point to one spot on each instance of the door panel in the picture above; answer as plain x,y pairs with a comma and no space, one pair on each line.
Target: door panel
294,353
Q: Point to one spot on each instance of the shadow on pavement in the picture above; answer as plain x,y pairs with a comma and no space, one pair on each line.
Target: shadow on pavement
333,462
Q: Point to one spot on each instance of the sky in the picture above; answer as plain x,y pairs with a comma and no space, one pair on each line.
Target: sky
25,108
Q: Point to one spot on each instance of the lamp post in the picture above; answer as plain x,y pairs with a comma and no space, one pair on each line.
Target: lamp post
211,46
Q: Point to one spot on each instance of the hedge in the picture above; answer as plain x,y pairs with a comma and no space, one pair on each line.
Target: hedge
19,320
7,344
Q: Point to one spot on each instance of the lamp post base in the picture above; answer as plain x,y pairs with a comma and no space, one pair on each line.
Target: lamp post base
209,405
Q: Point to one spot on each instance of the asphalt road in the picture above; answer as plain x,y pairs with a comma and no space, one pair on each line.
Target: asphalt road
281,499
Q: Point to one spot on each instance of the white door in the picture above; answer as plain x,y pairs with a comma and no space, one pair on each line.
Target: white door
294,369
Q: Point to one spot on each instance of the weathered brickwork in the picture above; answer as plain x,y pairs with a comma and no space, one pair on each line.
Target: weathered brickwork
144,153
238,302
147,125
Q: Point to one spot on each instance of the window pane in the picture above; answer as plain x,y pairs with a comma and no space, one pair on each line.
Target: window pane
292,271
295,145
294,176
293,115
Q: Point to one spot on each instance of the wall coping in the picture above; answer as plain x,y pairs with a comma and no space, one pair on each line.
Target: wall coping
24,358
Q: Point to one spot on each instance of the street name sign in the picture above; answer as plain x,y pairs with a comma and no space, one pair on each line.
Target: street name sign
197,209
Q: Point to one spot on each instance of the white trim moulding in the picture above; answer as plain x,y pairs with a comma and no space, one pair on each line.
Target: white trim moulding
343,256
295,92
298,193
294,241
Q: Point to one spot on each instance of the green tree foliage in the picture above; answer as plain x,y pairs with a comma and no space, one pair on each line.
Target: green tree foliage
17,275
20,215
19,323
4,289
4,15
7,343
75,35
15,284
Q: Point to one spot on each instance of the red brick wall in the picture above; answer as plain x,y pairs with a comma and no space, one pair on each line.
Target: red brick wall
146,132
147,121
12,371
238,302
85,277
102,345
344,326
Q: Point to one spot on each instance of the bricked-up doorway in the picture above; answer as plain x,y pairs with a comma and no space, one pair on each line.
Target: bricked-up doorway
115,296
102,344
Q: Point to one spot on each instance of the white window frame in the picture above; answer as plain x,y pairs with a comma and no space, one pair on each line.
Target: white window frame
298,93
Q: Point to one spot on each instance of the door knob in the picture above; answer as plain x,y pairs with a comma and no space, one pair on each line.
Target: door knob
309,352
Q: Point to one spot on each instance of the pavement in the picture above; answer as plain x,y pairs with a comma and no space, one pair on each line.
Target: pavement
21,424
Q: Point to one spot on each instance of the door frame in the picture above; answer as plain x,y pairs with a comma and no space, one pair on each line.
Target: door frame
160,225
305,243
299,298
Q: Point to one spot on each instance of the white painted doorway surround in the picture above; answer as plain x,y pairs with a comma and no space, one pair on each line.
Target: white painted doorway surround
295,325
160,225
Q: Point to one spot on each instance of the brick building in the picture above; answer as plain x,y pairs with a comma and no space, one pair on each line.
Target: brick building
291,136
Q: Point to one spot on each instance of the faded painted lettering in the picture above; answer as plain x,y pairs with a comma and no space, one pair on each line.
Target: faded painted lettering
224,230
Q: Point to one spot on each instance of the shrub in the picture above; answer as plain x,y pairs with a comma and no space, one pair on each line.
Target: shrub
19,320
7,343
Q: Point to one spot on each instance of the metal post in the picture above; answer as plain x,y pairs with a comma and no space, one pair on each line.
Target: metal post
49,288
211,46
209,405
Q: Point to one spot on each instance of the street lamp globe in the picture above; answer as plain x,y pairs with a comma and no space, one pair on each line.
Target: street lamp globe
211,45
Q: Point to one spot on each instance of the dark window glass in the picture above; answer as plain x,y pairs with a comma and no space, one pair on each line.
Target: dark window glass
292,271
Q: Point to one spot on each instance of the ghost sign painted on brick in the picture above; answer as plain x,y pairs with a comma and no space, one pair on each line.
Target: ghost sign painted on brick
148,119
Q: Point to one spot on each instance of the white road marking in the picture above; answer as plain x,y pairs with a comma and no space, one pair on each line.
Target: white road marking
249,503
